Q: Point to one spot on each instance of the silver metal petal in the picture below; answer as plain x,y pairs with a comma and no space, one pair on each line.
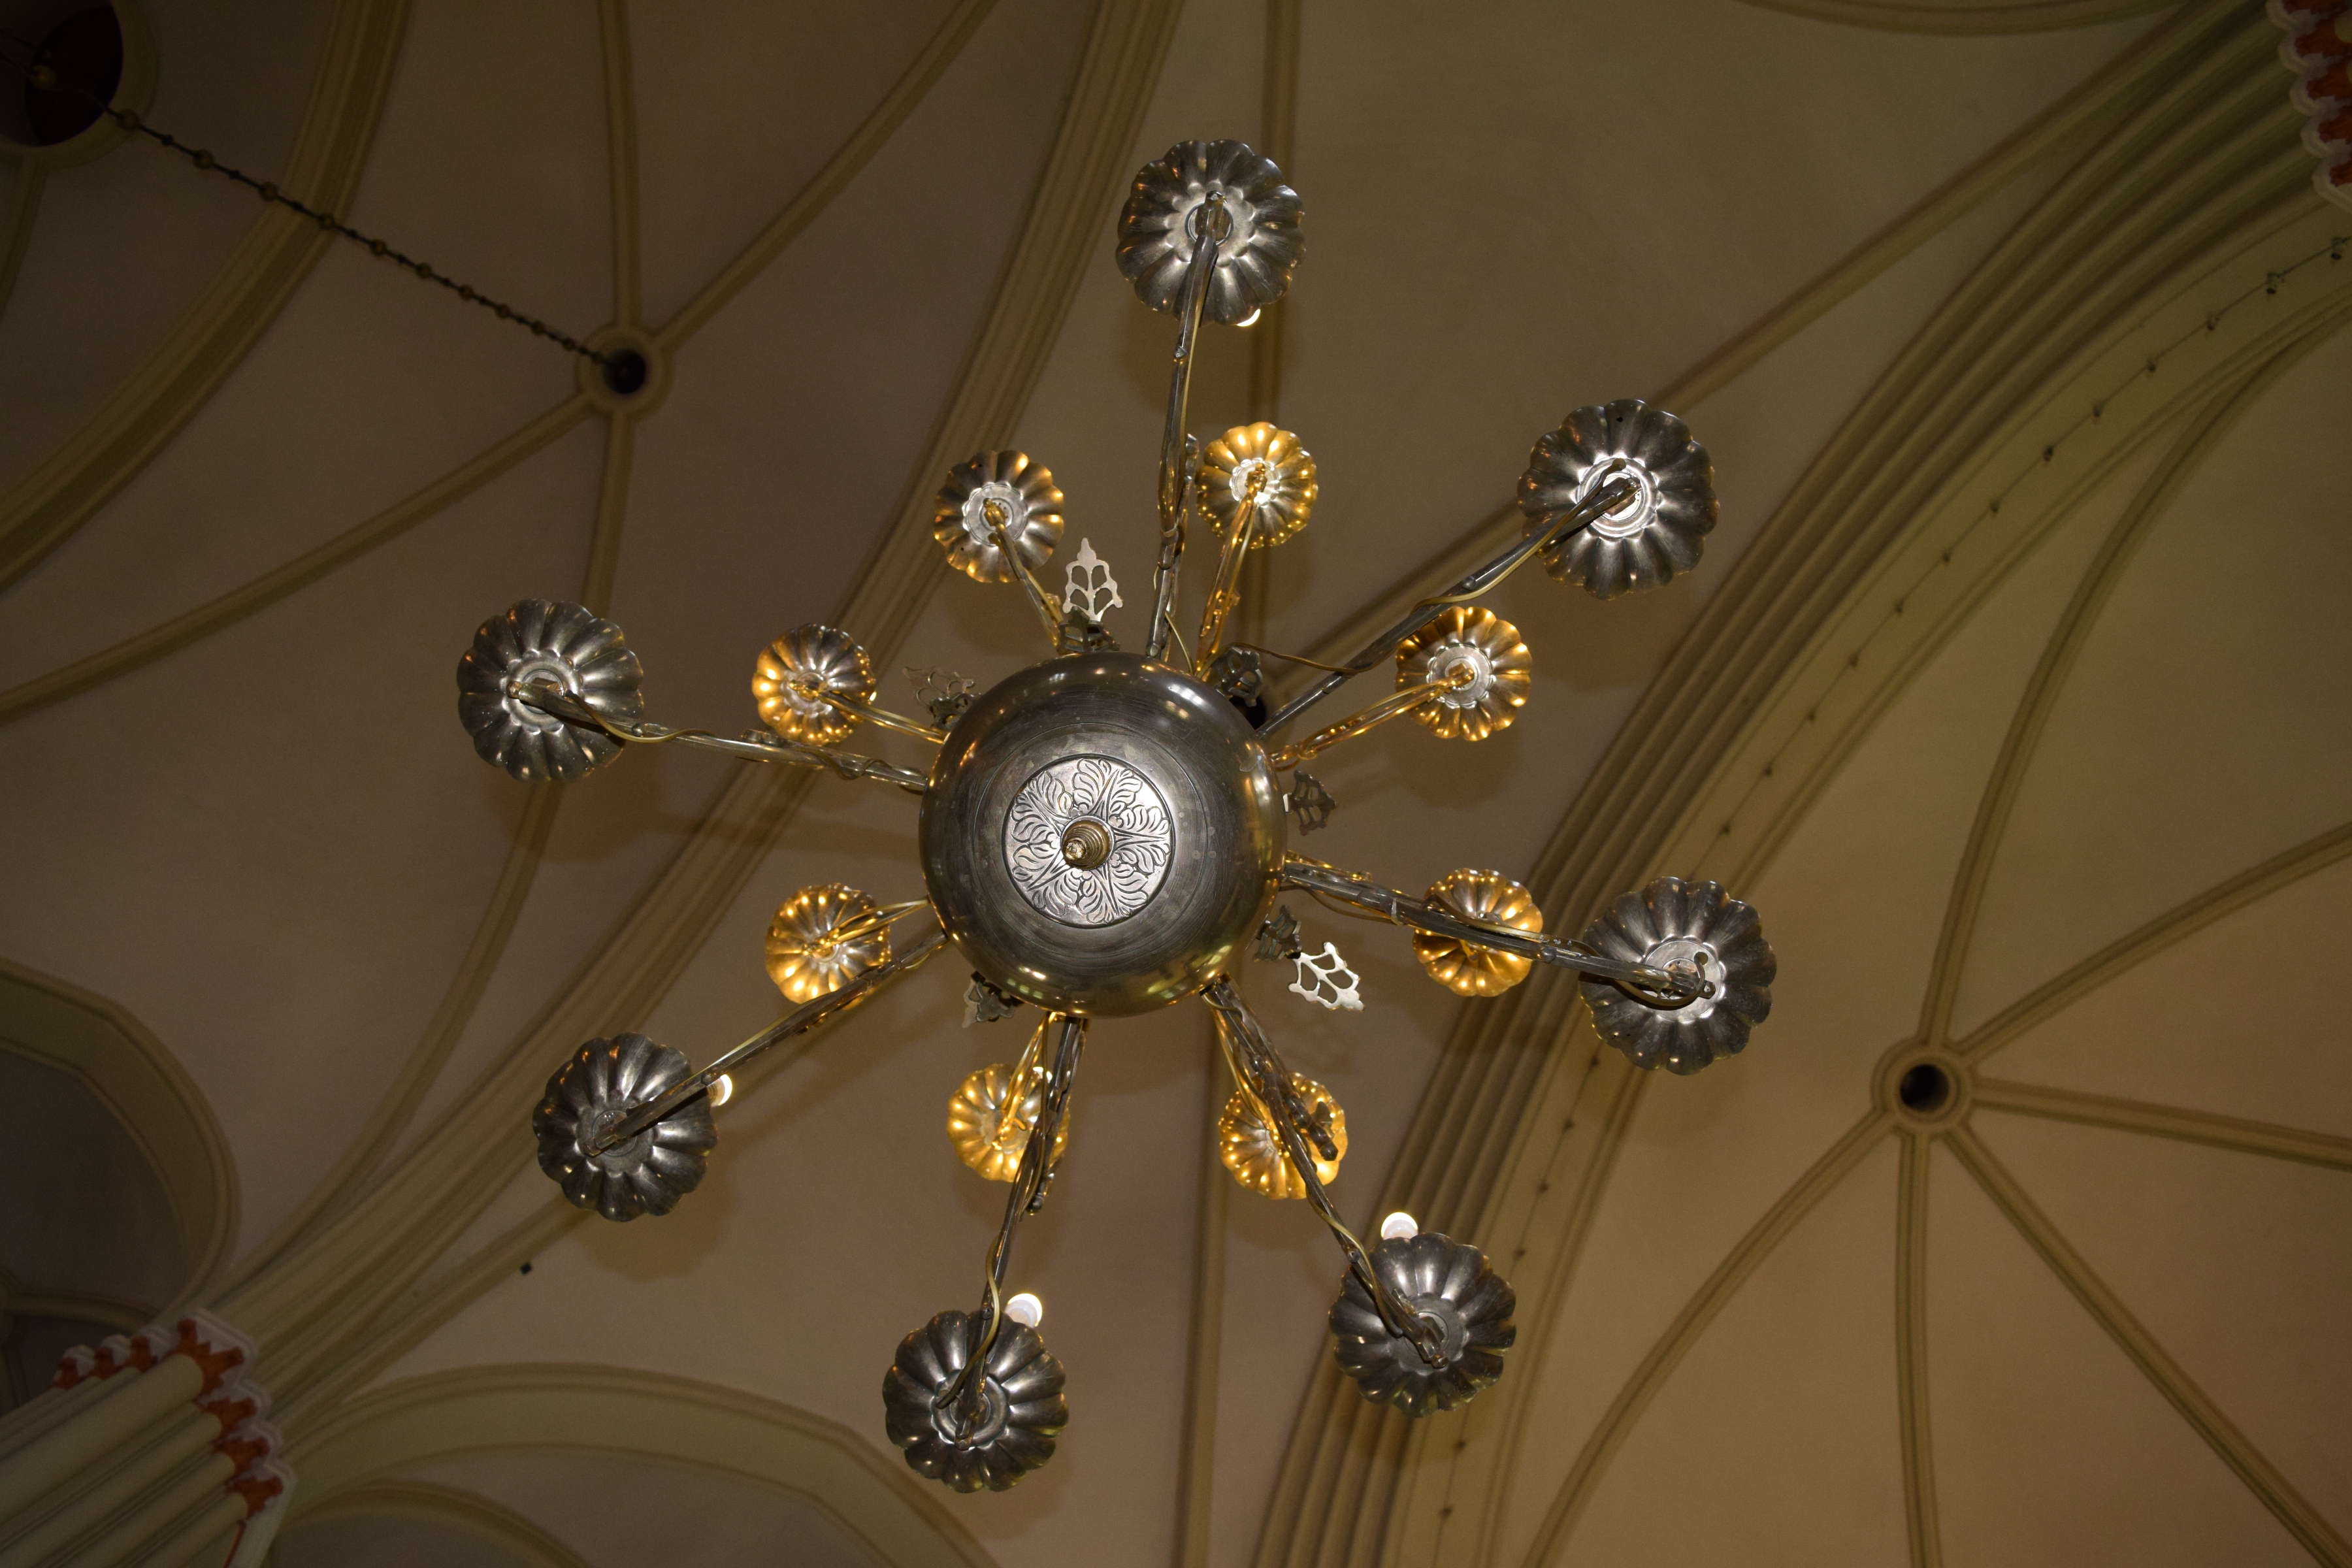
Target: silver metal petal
1021,1388
1448,1283
1158,230
1646,541
550,641
601,1084
1673,921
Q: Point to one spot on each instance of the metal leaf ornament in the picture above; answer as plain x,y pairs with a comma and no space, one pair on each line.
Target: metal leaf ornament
1673,923
1466,968
1157,229
796,674
1253,1151
1645,539
547,641
1021,1392
1448,1283
821,939
1261,471
1481,643
992,490
597,1087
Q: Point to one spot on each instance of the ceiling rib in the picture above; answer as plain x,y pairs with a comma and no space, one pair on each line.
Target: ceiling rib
813,197
2305,1522
2230,1132
157,400
1960,17
475,1515
2176,924
2043,687
1911,1354
1569,1501
621,138
194,626
16,221
421,1067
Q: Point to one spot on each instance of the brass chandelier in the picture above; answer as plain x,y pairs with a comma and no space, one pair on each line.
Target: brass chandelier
1104,832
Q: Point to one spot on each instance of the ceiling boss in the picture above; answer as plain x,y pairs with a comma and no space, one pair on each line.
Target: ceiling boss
1104,832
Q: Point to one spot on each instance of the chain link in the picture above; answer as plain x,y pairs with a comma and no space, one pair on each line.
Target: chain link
47,78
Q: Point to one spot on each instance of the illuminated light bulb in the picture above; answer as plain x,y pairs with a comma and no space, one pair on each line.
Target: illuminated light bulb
1251,320
721,1091
1399,1226
1026,1309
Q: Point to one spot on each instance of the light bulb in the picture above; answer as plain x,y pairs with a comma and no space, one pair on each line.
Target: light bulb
721,1091
1251,320
1399,1226
1026,1309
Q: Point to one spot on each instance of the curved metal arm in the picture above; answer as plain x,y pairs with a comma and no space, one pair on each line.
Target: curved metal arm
1659,988
1262,1074
795,1022
758,746
962,1394
1177,450
1379,713
1476,582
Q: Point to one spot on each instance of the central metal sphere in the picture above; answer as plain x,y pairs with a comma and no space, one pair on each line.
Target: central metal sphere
1101,833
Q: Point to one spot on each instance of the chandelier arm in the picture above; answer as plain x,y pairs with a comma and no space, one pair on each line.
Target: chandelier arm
963,1395
756,747
1670,988
1039,600
799,1021
1224,590
1479,580
1267,1080
1178,451
883,717
1379,713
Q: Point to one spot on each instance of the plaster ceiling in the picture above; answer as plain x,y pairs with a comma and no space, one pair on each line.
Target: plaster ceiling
266,840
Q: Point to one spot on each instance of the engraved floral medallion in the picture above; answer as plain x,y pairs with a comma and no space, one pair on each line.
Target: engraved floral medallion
1088,841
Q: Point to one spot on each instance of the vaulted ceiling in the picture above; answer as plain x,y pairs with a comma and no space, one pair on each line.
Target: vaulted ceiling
2011,689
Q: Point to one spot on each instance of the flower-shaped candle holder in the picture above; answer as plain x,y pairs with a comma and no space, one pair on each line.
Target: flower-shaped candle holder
1692,926
1158,228
821,939
546,642
1253,1151
1642,541
1020,1396
1448,1284
1261,471
799,671
989,1117
1485,646
646,1174
1492,899
997,490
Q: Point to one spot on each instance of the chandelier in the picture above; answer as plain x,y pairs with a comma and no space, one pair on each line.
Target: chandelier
1106,832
